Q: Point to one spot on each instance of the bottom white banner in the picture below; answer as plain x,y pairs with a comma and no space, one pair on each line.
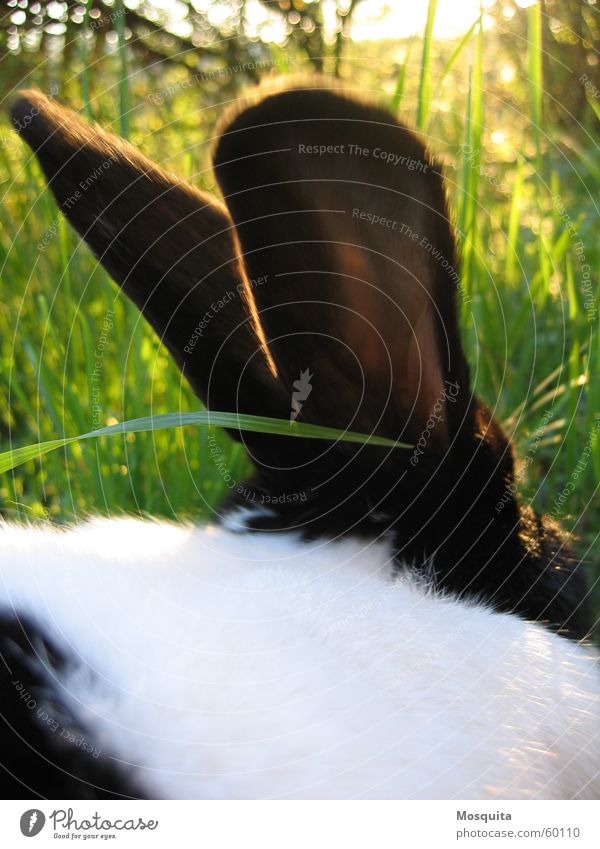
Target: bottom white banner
298,825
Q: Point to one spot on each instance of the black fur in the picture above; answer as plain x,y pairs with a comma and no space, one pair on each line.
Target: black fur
40,742
368,310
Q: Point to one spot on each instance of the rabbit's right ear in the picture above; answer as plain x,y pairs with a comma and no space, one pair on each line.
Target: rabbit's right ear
171,248
343,209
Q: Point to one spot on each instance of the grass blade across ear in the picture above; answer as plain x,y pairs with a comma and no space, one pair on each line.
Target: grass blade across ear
170,247
253,424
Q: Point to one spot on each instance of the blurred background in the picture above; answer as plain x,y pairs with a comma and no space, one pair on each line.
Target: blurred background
506,92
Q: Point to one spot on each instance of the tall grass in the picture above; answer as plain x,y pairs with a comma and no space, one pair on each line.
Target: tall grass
530,321
522,208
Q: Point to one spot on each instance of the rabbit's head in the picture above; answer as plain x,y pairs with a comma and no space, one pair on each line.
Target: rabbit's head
323,289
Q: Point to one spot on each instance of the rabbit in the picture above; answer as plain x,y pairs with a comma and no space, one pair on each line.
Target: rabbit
357,621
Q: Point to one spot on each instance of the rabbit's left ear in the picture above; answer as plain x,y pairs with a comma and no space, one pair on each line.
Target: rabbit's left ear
171,248
343,211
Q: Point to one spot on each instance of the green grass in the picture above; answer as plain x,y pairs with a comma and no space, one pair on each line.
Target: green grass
524,209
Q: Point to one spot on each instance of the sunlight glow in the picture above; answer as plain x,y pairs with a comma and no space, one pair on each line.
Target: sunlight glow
507,73
372,19
377,19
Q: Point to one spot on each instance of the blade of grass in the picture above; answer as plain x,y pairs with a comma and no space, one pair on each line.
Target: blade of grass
536,82
399,91
458,50
471,185
535,77
576,386
595,106
123,76
257,424
86,42
425,76
511,267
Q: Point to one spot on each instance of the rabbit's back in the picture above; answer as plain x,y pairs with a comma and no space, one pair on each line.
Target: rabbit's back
209,665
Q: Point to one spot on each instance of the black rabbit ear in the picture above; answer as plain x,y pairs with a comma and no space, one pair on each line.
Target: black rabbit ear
170,247
343,212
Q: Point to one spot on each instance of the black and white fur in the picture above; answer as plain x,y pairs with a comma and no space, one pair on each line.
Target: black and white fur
360,622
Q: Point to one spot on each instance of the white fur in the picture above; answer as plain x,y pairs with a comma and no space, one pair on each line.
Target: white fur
229,665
